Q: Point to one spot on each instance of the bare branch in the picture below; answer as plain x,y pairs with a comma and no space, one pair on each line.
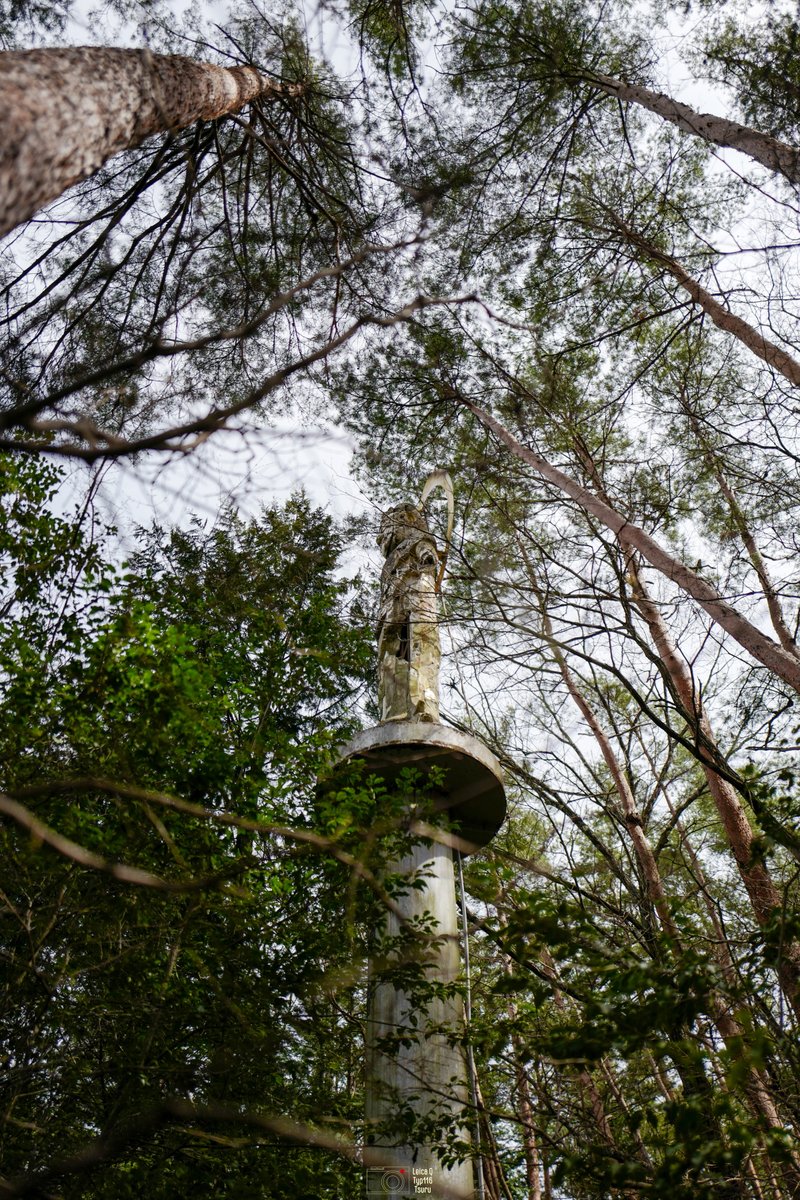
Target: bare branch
95,862
761,647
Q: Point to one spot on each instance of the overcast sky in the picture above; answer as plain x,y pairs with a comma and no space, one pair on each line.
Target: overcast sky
263,466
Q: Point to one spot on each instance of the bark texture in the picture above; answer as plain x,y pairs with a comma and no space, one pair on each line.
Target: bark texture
771,153
66,111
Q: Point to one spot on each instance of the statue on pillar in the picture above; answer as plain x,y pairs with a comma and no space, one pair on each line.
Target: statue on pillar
416,1078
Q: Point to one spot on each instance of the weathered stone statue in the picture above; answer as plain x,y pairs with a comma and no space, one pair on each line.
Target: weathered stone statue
408,633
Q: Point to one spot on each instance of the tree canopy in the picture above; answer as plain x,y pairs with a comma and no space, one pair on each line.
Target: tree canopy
508,240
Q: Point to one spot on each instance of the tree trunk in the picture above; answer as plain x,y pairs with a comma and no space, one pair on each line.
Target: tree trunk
525,1109
777,618
633,537
771,153
764,896
723,318
631,816
756,1085
524,1104
784,634
589,1093
496,1178
66,111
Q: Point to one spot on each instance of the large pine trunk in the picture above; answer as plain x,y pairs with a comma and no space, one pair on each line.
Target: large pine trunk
771,153
66,111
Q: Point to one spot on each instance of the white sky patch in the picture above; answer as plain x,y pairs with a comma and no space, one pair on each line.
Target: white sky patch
245,470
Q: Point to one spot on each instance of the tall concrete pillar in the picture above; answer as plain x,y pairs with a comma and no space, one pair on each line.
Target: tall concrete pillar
415,1062
416,1070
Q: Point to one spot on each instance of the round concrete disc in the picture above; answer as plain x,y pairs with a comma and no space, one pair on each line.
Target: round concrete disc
472,793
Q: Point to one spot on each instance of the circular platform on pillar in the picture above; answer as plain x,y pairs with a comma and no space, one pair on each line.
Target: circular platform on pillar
472,793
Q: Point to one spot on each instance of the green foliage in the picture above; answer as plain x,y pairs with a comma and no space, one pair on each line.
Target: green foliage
220,667
760,62
386,30
635,972
20,18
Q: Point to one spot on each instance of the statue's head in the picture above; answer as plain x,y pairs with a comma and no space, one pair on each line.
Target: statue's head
404,523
